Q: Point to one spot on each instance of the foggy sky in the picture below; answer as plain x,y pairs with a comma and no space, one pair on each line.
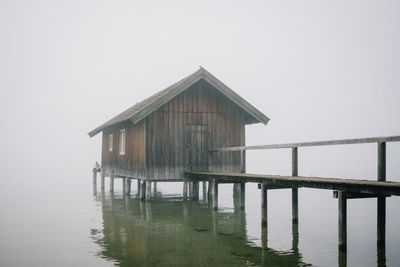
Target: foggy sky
319,69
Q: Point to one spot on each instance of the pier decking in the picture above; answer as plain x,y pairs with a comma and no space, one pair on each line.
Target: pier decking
278,181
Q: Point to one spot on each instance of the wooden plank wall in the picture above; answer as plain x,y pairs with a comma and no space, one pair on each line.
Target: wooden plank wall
180,133
133,163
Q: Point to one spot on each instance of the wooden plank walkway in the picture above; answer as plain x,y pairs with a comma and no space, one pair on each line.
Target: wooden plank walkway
348,185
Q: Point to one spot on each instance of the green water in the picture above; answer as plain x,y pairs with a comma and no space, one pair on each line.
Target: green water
171,232
61,221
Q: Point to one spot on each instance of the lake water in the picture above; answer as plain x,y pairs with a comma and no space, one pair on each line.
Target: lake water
56,219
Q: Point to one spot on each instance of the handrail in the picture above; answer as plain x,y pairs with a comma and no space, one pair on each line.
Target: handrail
317,143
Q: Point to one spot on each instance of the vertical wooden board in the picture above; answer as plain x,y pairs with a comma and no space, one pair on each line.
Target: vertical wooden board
176,144
199,98
181,143
181,107
186,98
152,147
171,149
195,91
164,138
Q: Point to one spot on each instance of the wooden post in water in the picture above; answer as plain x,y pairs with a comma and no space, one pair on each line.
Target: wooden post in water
190,190
123,185
155,189
185,190
264,205
243,185
103,174
142,195
342,221
94,177
209,193
204,190
195,190
295,172
215,194
138,187
112,181
242,195
148,190
381,210
128,186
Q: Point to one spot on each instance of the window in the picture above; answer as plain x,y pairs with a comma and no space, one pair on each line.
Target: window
110,143
122,135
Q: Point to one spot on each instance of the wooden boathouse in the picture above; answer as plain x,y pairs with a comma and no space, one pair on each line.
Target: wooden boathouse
194,131
172,131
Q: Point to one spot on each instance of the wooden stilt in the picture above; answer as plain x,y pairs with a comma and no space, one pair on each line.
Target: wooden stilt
128,186
102,180
142,189
112,181
342,221
195,190
204,190
94,177
215,194
148,190
264,205
124,186
155,189
139,187
242,196
190,190
185,190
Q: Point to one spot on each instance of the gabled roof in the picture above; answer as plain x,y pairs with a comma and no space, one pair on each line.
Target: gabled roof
142,109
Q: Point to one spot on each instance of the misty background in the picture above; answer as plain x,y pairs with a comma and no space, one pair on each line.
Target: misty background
320,70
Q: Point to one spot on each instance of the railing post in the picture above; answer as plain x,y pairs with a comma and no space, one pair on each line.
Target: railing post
295,172
128,186
381,205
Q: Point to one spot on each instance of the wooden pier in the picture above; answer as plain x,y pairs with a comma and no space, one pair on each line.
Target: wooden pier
343,189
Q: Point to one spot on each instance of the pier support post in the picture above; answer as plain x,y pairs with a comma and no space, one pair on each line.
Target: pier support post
215,194
381,205
195,190
148,190
128,186
342,221
142,193
124,186
112,181
185,190
139,187
264,205
155,189
94,177
204,190
102,180
190,190
242,195
295,196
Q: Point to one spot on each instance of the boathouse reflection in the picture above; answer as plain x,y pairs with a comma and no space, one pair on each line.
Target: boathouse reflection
171,232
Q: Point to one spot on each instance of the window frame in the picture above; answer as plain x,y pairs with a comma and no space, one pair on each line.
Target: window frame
110,142
122,141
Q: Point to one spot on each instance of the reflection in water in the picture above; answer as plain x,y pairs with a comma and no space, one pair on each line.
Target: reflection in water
166,232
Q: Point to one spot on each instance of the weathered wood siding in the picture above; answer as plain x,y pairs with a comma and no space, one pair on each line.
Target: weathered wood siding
179,134
133,163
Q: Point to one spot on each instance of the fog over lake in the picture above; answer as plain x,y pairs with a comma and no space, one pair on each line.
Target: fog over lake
320,70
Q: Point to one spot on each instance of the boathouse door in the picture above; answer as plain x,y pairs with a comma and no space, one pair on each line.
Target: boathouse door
198,148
